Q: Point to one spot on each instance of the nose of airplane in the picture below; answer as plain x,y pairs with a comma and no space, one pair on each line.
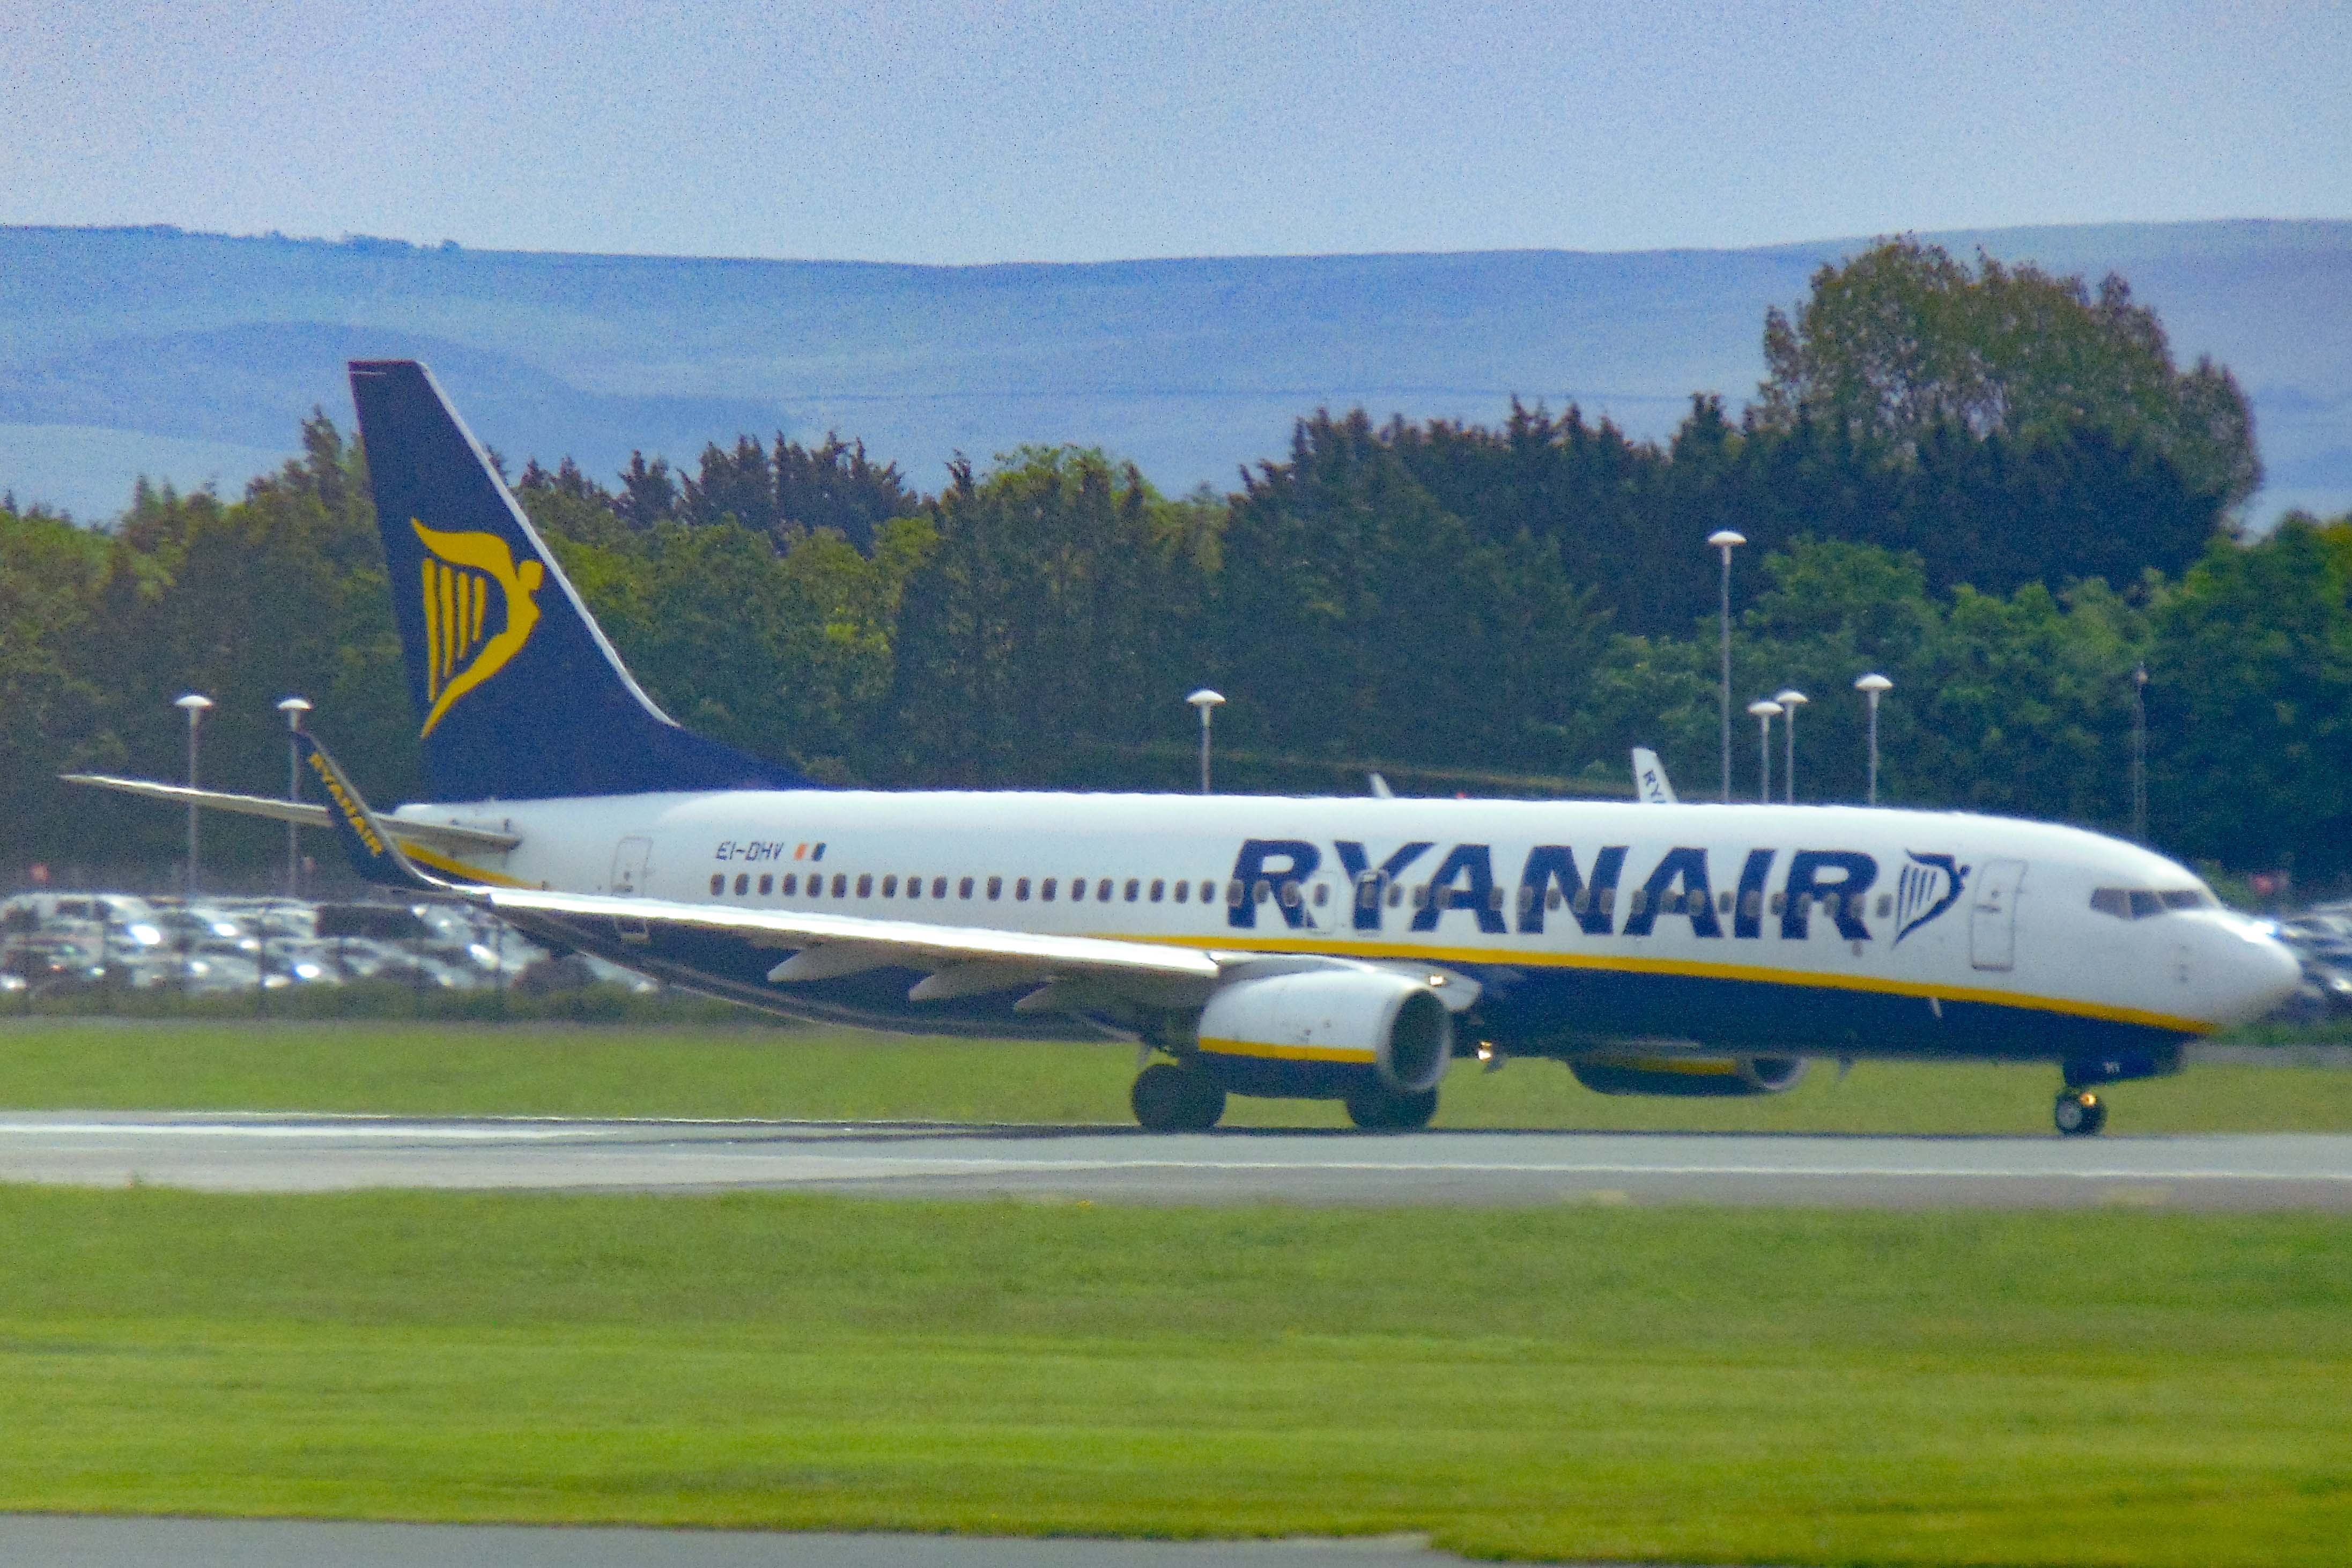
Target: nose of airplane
2258,971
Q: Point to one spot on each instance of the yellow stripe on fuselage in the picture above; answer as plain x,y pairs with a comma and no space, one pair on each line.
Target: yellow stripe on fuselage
1286,1053
455,868
1628,963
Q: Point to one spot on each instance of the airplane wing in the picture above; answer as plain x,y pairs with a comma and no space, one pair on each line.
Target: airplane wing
958,961
447,837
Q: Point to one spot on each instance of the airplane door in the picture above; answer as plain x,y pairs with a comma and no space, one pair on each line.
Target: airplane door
1992,918
630,859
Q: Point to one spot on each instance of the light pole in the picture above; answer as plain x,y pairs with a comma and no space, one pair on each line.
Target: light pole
1726,541
1208,702
1790,700
1764,708
293,708
193,705
1874,686
2139,755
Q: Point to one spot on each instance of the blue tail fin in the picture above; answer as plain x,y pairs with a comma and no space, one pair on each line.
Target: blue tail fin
518,694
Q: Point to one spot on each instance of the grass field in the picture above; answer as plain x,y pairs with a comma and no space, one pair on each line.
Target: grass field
1681,1384
757,1070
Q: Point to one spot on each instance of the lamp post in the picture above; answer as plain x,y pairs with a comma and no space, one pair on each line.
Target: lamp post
1874,686
2139,755
293,708
1725,541
1764,708
195,705
1790,700
1208,702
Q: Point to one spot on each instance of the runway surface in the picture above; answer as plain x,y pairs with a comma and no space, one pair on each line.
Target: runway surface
266,1152
293,1543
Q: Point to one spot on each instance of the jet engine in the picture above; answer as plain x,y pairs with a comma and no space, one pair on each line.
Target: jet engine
1689,1077
1324,1033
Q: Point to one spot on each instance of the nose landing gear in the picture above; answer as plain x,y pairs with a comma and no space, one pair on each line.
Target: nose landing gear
2079,1113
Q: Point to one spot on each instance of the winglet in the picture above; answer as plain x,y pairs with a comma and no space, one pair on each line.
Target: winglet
1649,783
375,854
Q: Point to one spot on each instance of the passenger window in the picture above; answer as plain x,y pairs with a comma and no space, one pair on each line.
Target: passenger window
1159,886
1639,902
841,884
1723,903
1396,894
1264,892
1045,889
1779,902
767,886
1886,905
1209,893
996,887
1102,891
1134,889
1234,893
719,884
1553,899
914,887
889,886
1421,895
1582,903
1289,895
742,883
1751,903
1021,890
963,888
791,883
1495,899
1183,891
1322,894
865,885
2143,904
1607,898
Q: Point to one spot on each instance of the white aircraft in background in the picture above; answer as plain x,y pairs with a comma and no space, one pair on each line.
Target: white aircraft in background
1347,948
1650,782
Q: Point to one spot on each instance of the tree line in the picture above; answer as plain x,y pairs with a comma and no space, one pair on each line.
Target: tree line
1990,484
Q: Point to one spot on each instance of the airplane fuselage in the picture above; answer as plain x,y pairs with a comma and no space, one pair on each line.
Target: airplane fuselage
1805,930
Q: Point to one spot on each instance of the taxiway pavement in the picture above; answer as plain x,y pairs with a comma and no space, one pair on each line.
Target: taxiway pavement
273,1152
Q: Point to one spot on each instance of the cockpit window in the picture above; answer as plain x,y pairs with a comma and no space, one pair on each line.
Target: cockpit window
2144,903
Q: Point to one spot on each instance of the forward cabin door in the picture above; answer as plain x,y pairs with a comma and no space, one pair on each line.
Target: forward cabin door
630,859
1992,918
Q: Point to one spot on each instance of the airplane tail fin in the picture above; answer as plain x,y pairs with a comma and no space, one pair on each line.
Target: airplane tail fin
518,695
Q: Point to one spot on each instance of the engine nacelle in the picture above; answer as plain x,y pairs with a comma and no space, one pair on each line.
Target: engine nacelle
1317,1033
1689,1077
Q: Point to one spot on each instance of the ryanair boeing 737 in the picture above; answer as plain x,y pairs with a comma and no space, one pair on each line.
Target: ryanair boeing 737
1348,949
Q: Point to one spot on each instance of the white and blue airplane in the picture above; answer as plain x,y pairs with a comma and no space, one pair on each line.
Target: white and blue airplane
1343,948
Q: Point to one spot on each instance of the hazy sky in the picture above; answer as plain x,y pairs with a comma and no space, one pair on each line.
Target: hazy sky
928,131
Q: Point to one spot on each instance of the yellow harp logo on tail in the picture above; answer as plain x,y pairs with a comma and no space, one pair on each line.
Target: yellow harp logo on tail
466,642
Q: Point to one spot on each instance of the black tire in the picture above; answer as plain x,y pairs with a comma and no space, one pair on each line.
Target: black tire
2079,1113
1169,1100
1378,1109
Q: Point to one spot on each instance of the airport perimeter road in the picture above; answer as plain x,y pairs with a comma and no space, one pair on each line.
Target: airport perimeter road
262,1152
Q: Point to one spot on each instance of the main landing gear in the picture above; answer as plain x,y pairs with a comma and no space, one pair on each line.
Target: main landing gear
1378,1109
1169,1099
2079,1113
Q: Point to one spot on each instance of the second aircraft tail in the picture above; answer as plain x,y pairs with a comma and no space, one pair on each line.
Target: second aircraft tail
516,693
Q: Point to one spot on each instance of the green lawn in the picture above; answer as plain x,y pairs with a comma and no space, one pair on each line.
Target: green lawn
757,1070
1684,1384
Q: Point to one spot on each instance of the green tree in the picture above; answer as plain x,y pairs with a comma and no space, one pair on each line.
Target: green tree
1903,340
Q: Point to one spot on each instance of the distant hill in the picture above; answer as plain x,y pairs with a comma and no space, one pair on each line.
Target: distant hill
192,356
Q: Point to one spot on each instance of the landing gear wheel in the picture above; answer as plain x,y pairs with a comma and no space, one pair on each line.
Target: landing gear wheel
2079,1113
1378,1109
1169,1100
